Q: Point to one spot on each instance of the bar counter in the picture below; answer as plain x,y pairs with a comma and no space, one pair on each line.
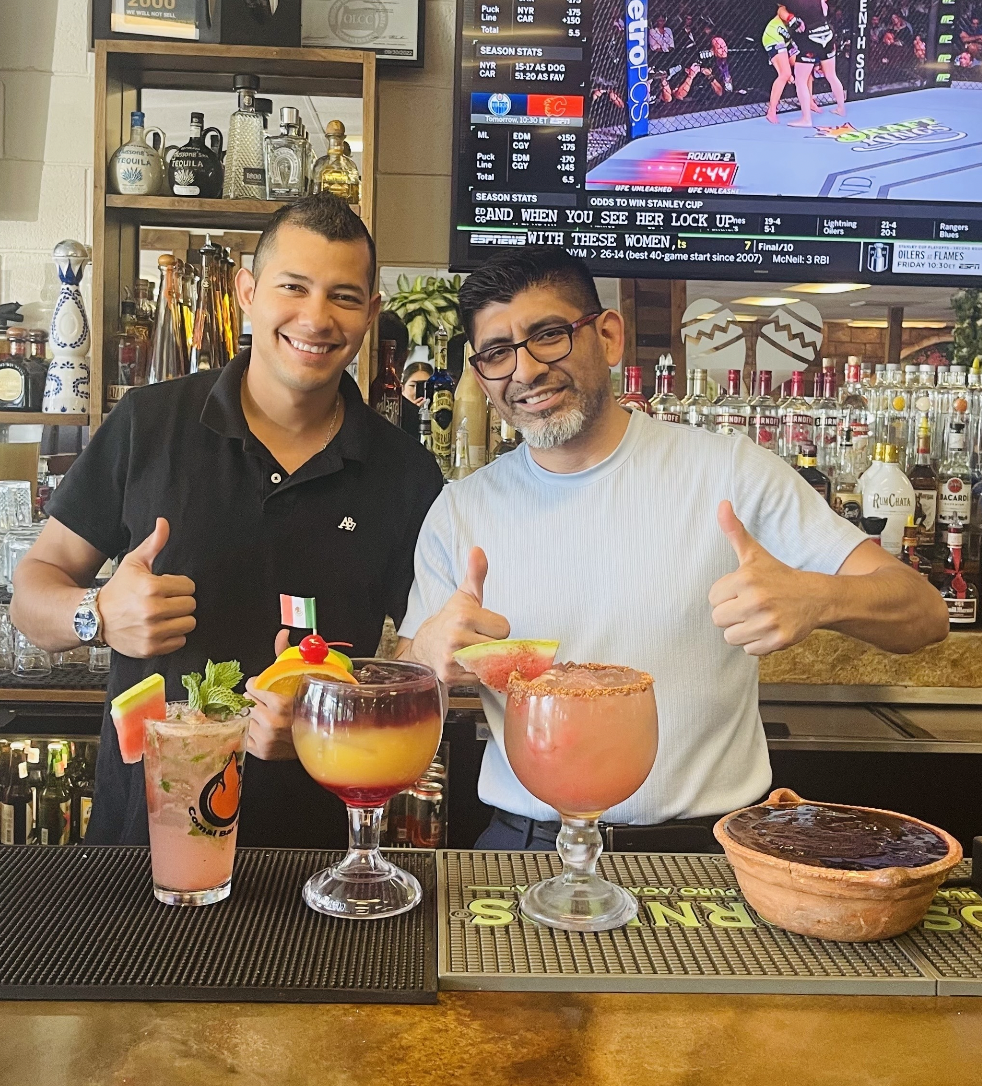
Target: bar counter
538,1039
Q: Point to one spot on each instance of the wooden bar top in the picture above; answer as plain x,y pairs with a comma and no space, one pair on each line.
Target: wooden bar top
488,1038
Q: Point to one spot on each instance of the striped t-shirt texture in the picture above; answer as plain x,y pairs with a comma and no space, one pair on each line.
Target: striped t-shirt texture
616,562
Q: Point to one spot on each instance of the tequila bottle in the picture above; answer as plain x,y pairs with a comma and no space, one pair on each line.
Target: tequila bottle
765,422
195,169
732,412
136,168
208,341
245,172
334,171
632,397
169,349
286,159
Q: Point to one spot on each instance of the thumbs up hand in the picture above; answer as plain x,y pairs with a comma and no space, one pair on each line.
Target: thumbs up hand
463,621
764,605
144,614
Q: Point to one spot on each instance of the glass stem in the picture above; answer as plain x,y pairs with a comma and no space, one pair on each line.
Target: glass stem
364,858
579,845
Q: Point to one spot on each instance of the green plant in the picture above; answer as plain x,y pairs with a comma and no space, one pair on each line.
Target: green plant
967,334
424,304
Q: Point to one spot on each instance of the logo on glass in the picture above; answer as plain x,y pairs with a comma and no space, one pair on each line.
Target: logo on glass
219,801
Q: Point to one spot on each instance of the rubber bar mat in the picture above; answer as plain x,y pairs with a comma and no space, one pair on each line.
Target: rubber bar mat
948,942
694,933
82,923
60,678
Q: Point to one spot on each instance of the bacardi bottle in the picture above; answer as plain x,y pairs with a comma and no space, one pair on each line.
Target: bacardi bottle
960,596
632,397
765,422
954,481
732,414
797,421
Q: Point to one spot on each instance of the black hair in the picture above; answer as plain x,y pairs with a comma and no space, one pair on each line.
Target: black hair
391,326
506,274
324,214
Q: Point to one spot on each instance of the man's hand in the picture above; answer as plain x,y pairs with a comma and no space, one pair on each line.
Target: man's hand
145,615
765,605
463,621
271,727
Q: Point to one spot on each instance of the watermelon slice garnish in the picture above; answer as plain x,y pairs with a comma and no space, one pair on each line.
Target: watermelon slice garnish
146,700
494,661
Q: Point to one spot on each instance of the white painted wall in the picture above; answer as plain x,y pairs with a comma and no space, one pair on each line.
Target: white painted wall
46,73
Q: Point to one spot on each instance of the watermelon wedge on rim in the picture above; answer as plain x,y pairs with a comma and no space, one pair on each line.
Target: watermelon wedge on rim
145,700
494,661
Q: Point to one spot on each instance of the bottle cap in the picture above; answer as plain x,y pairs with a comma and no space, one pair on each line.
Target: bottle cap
289,115
165,260
137,119
889,454
198,118
245,82
334,128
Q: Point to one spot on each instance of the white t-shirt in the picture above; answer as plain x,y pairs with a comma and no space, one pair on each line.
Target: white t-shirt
617,562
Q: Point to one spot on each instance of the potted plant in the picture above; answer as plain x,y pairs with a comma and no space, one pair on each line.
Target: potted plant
423,304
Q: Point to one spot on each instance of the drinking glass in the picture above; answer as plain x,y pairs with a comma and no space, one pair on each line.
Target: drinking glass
582,738
366,743
30,662
193,770
16,502
6,639
100,658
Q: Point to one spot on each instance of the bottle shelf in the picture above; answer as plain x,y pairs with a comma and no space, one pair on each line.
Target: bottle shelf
187,211
40,418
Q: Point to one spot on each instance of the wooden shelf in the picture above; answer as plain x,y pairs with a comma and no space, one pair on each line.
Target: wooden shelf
80,697
185,211
39,418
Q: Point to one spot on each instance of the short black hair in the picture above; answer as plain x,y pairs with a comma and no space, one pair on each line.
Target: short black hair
324,214
392,327
508,273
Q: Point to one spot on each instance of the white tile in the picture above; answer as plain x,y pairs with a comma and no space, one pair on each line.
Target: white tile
42,205
70,123
26,101
28,38
71,43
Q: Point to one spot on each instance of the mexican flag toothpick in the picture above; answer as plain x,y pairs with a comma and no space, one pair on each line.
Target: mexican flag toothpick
298,611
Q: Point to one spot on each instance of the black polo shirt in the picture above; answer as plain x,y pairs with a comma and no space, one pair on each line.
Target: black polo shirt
342,528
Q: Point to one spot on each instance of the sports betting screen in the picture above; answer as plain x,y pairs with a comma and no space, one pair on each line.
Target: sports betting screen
737,139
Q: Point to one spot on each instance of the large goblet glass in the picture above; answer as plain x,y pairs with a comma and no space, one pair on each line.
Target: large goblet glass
365,743
582,738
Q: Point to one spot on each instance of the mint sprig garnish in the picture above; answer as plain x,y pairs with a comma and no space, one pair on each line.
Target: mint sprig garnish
214,694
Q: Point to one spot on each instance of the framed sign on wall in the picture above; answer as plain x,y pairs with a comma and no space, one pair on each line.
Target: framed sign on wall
392,28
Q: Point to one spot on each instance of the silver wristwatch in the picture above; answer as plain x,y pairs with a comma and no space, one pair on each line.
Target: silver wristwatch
88,621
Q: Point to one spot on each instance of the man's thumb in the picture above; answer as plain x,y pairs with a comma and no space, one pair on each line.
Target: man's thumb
742,542
477,570
148,550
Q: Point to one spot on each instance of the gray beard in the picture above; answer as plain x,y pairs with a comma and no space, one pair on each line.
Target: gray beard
550,433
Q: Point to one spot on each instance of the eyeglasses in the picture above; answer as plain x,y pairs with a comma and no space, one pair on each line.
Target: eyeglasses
548,346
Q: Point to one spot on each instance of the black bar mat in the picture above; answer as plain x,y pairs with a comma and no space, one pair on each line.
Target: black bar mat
61,678
82,923
948,942
694,933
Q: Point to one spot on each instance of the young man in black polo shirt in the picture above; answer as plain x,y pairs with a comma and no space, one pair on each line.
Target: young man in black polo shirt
223,490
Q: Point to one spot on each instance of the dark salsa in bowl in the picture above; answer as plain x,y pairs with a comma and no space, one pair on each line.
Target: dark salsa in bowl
845,838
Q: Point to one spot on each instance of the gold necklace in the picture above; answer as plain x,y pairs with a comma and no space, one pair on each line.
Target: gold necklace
330,429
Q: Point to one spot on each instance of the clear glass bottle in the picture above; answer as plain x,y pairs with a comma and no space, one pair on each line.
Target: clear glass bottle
847,500
195,169
632,397
732,412
665,405
462,454
697,407
854,412
286,159
440,397
334,171
208,340
137,168
797,421
245,171
765,422
827,413
169,349
890,494
924,480
510,440
230,311
954,480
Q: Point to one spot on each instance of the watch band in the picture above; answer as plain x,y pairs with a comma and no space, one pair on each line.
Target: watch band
91,601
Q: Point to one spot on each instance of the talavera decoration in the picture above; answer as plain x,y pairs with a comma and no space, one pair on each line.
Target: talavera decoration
66,390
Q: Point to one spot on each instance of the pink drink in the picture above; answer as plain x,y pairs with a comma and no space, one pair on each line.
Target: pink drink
193,770
582,737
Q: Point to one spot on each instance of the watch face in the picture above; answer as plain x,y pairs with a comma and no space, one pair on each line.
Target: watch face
86,624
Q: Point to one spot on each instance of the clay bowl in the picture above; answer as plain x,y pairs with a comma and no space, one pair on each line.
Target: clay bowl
826,903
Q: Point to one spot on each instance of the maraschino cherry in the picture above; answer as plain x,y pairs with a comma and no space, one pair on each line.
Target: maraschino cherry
314,649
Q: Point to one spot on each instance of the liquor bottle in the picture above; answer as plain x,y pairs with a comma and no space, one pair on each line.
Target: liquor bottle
187,291
15,377
898,411
847,500
55,803
959,594
808,470
334,171
665,405
462,454
81,786
889,494
908,546
954,482
765,422
136,168
632,397
827,413
697,408
385,393
874,469
169,349
439,395
924,480
286,159
195,169
16,807
208,339
732,412
37,365
471,405
797,422
230,311
510,440
143,316
854,413
245,172
425,426
36,758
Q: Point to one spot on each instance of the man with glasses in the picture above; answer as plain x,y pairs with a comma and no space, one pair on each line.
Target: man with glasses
619,535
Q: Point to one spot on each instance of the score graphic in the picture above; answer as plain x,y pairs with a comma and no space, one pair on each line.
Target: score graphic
547,109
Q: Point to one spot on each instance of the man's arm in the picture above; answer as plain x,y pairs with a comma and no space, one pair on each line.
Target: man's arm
766,605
